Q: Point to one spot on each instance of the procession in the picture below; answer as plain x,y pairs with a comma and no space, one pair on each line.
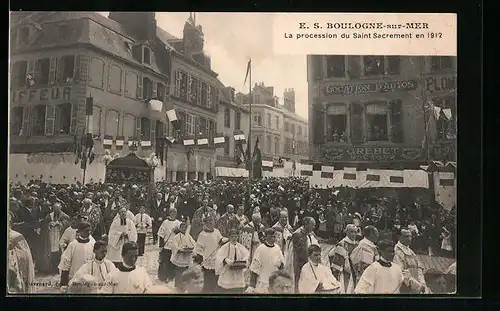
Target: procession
133,169
208,239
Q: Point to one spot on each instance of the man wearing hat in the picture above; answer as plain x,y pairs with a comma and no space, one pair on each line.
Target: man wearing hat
340,260
406,258
268,259
77,253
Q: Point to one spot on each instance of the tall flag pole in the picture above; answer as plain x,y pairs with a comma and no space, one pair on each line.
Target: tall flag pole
89,141
249,148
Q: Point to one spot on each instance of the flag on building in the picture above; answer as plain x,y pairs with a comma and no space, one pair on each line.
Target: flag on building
172,118
249,65
257,161
89,123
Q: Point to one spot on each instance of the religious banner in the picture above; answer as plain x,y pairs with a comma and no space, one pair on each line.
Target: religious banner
371,154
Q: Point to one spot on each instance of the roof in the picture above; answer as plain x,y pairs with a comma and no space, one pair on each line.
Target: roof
131,161
165,37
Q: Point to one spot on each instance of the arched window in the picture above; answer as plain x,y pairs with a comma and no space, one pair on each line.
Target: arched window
129,125
112,122
96,72
63,119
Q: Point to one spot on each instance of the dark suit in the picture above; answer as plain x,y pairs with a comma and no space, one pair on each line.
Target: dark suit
159,213
300,255
30,222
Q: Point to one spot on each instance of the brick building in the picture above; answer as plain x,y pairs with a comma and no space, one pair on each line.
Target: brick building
369,110
122,62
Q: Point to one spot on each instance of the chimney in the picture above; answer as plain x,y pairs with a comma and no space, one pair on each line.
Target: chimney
140,24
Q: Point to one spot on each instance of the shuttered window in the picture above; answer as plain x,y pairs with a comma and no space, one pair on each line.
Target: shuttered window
356,110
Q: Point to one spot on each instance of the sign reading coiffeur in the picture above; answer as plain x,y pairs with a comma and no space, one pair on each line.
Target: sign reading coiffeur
365,88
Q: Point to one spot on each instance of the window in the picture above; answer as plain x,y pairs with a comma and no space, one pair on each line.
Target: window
277,146
194,88
128,125
376,117
257,99
159,130
277,122
145,129
131,84
19,73
269,144
446,122
212,97
441,62
237,121
160,91
292,128
212,126
180,176
147,87
42,70
227,117
96,78
299,130
23,35
115,79
335,66
181,85
337,123
112,122
16,120
226,145
374,65
146,55
190,124
269,120
257,120
393,65
287,126
63,118
202,126
204,89
67,69
38,120
96,117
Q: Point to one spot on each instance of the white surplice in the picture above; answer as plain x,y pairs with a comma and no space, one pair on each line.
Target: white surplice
231,278
313,274
179,242
143,222
134,280
115,241
166,231
75,256
266,260
206,246
97,268
377,279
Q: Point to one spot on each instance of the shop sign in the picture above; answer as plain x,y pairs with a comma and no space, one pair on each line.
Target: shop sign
43,94
366,88
372,154
440,83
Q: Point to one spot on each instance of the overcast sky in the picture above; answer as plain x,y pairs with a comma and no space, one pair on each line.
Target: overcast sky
232,38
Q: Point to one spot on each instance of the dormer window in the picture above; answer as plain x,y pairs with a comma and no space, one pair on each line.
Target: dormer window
23,35
146,55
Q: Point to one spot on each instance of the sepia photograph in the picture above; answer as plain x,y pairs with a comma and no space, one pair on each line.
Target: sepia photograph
197,153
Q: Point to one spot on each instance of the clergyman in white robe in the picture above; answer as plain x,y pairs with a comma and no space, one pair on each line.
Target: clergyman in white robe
314,274
121,231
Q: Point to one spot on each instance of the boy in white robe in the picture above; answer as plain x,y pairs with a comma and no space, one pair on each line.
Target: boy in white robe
268,258
69,234
77,253
316,277
142,223
231,278
122,230
209,241
128,278
182,252
165,234
98,267
383,276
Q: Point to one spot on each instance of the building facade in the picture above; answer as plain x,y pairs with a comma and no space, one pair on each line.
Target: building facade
122,62
381,110
232,118
281,132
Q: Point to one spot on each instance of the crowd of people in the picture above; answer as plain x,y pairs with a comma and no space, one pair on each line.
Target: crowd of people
226,236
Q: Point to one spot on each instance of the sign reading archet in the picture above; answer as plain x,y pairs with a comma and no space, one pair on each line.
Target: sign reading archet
372,154
366,88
